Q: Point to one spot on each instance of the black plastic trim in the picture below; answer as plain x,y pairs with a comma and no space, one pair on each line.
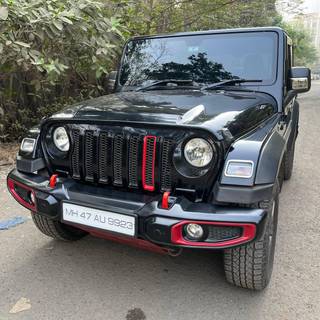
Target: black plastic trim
30,165
154,223
243,195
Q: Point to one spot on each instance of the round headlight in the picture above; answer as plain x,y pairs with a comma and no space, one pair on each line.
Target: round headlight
61,139
198,152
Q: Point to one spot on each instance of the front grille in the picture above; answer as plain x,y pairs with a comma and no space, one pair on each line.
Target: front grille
89,164
117,160
134,144
105,157
148,162
122,160
166,176
75,157
219,233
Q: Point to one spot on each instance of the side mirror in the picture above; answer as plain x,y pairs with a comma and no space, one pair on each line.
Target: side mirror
300,79
111,80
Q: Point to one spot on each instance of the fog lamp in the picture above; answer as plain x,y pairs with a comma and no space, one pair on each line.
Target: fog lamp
194,231
32,198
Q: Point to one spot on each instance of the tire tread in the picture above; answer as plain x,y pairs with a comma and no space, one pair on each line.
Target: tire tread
246,266
56,229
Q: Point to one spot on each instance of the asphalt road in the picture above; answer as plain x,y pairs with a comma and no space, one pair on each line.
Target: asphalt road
96,279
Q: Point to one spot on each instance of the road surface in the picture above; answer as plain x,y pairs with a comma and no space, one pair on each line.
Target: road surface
95,279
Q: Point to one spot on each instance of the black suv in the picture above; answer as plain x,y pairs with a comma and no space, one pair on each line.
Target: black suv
190,151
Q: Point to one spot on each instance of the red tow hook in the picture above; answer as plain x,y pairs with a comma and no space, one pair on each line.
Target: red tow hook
165,200
53,180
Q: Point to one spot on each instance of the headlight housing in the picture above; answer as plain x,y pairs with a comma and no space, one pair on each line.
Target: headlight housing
198,152
61,139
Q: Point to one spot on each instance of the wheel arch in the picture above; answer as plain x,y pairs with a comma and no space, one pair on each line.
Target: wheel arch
270,159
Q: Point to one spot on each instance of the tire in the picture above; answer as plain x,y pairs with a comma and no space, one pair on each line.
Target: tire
288,159
56,229
250,266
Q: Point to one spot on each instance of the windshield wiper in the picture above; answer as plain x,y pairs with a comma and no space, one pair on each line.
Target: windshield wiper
227,82
177,82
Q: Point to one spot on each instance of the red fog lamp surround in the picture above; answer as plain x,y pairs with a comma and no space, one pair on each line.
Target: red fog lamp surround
177,234
26,196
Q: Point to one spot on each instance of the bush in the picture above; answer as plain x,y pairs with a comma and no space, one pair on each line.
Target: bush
52,52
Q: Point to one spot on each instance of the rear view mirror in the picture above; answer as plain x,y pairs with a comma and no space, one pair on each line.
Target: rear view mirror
300,79
111,80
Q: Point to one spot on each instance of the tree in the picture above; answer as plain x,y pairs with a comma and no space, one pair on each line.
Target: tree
159,16
305,54
51,52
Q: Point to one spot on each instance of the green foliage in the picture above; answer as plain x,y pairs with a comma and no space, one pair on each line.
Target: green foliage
55,52
51,52
305,54
158,16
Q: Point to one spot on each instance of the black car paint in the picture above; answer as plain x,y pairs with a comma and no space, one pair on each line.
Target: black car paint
234,110
273,118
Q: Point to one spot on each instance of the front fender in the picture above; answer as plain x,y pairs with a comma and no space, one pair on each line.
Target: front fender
265,148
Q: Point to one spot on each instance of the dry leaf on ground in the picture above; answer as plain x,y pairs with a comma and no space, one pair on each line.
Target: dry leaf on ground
22,304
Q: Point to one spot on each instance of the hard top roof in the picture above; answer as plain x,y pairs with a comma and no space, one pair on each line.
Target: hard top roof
218,31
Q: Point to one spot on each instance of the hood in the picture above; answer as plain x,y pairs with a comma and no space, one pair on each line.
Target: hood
224,113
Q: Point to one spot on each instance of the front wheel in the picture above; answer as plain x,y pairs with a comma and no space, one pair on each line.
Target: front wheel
56,229
250,266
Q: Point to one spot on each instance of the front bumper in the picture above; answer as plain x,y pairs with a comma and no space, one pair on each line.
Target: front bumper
163,227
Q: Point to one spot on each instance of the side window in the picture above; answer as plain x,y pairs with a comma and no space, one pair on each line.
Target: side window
289,60
290,56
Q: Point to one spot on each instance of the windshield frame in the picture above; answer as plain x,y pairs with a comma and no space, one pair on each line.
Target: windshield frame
120,87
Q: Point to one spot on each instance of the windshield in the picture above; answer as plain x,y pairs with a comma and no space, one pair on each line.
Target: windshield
206,58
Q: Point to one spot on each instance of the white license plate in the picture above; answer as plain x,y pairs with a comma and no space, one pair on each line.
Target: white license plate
101,219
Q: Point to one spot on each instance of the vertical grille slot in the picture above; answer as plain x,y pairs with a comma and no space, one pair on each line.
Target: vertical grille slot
105,157
166,172
133,161
117,160
88,156
148,162
75,158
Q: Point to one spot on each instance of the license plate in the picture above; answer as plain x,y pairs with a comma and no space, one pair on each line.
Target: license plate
101,219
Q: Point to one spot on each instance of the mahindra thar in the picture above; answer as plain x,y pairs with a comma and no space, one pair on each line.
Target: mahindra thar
189,151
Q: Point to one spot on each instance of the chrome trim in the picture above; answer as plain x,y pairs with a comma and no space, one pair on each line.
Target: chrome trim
299,83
